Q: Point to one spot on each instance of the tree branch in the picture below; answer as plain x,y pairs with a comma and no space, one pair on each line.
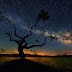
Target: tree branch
33,42
30,30
37,45
11,38
16,33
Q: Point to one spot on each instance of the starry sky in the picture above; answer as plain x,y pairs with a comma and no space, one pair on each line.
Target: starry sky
24,13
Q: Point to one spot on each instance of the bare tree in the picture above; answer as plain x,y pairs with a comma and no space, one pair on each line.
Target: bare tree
22,43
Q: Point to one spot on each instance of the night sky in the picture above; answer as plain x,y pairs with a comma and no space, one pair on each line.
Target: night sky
24,13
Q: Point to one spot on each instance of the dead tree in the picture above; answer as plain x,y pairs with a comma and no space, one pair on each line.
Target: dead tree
22,40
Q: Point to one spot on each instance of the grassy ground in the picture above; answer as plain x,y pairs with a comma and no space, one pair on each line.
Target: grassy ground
4,60
35,65
57,62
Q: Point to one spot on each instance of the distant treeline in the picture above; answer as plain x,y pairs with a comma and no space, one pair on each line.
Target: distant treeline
29,55
17,55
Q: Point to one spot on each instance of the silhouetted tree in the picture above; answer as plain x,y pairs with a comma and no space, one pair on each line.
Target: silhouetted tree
22,40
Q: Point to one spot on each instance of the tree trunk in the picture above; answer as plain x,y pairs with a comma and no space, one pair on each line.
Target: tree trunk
21,53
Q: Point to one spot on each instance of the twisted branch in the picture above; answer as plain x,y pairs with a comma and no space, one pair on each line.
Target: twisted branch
36,45
8,34
30,30
16,33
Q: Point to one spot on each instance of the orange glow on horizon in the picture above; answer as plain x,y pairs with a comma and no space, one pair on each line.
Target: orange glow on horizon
44,52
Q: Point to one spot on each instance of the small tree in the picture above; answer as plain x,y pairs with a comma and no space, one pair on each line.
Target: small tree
22,40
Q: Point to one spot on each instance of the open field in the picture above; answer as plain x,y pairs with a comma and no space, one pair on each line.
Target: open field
58,62
39,64
4,60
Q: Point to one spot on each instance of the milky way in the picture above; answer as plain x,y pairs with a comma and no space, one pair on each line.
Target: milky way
24,13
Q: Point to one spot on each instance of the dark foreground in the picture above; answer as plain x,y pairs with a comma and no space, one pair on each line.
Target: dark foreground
27,66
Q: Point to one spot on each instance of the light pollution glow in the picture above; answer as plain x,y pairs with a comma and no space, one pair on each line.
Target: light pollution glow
49,53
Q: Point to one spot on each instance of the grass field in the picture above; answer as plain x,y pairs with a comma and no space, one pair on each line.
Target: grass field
4,60
58,62
55,63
